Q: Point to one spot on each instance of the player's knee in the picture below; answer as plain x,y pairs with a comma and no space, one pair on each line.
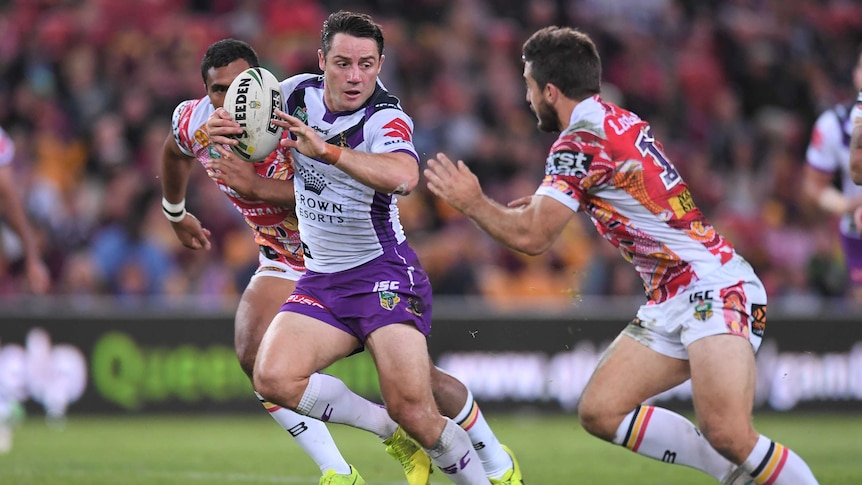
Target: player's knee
731,440
597,419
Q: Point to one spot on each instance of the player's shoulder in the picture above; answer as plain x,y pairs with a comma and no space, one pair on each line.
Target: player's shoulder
191,109
301,81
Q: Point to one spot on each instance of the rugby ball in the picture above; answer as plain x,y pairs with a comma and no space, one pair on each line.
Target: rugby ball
251,100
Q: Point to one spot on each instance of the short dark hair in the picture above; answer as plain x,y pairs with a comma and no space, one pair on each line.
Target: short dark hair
566,58
225,51
354,24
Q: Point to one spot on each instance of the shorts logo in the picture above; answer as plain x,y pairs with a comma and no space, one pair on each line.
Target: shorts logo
304,300
758,316
415,306
389,300
703,310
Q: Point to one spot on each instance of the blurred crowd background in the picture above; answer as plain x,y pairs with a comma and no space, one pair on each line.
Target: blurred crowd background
731,87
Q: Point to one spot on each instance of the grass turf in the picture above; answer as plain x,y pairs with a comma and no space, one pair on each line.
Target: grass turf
252,449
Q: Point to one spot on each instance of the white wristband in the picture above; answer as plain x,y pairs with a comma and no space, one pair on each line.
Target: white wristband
174,212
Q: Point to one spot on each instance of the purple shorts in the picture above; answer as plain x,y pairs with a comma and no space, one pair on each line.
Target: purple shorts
853,256
392,288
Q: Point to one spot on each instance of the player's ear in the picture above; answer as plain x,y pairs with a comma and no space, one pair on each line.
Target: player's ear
550,92
321,60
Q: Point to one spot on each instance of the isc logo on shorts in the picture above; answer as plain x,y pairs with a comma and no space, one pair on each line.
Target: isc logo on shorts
386,285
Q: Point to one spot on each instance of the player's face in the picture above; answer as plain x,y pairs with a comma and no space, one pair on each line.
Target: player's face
219,79
544,112
350,71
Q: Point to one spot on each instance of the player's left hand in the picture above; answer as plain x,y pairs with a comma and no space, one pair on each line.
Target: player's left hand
307,141
454,183
233,172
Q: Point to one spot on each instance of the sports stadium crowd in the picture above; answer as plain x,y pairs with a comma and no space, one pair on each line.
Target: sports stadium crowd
733,87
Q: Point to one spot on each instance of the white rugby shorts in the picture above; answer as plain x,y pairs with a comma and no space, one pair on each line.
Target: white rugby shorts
730,300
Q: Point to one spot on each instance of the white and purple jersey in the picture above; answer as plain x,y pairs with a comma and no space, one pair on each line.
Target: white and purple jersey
829,152
7,149
342,222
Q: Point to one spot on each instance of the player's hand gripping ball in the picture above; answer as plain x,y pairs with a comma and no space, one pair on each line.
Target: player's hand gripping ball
251,100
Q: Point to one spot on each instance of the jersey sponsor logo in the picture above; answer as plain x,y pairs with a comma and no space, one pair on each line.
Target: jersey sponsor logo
683,203
568,163
301,114
389,300
398,128
305,300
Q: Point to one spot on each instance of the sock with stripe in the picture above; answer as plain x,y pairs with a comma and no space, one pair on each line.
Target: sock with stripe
772,463
495,460
669,437
311,435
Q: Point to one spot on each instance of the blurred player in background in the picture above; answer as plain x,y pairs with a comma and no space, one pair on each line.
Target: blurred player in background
364,286
37,274
263,193
13,213
828,154
706,309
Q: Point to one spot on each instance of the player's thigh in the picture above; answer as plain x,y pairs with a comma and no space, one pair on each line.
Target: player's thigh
297,345
259,304
629,373
723,382
400,353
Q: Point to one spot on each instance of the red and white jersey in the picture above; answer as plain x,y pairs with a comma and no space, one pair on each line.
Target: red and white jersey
273,226
7,149
607,164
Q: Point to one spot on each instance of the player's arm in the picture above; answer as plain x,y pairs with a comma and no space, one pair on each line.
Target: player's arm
242,177
817,187
391,173
856,151
176,170
38,276
529,225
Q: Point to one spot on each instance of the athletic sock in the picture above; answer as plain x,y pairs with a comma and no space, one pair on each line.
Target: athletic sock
669,437
311,435
454,455
328,399
774,464
495,460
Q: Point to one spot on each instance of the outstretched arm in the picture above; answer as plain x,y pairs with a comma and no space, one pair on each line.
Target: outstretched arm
176,168
529,225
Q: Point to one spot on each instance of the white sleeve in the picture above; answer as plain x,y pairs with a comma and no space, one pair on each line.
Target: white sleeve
390,130
180,124
826,143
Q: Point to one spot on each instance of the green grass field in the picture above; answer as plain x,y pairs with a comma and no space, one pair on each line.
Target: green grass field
252,449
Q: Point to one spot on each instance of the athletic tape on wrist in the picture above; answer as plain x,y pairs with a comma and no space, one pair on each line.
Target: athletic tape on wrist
174,212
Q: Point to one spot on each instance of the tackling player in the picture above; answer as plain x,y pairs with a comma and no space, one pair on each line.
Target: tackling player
706,309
